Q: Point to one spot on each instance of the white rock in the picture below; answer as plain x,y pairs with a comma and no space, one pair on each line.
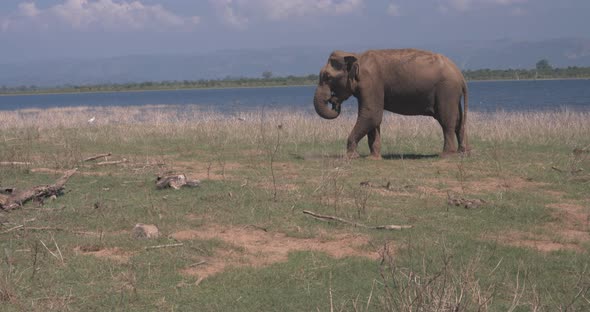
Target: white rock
145,231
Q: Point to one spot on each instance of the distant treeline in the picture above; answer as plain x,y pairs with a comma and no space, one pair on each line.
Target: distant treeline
543,71
228,82
517,74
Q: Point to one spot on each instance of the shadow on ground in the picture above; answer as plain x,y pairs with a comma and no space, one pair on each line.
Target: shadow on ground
312,156
409,156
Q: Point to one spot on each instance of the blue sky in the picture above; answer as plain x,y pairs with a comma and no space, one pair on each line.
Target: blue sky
50,29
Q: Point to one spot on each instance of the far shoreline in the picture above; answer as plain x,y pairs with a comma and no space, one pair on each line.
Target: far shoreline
61,91
147,90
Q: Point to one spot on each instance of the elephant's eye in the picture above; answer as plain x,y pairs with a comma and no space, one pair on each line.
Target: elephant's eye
336,65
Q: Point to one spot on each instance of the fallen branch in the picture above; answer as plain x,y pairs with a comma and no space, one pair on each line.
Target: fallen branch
114,162
355,224
556,169
164,246
12,229
15,163
38,193
585,150
197,264
573,171
28,228
98,156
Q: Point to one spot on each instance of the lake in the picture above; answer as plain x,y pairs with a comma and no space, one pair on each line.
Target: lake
484,96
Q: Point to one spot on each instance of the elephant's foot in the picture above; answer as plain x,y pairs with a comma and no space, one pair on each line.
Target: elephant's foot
465,150
352,155
374,157
447,154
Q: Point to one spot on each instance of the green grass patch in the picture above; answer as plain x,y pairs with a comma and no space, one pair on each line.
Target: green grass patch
247,246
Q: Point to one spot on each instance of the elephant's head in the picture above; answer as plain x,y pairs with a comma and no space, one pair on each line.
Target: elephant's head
337,83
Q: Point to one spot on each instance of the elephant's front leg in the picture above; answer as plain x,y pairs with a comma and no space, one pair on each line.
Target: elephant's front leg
360,130
375,142
370,115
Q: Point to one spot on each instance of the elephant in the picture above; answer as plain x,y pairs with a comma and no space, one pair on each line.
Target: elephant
402,81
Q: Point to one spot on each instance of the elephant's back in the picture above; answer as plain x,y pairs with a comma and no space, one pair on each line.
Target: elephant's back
411,67
403,56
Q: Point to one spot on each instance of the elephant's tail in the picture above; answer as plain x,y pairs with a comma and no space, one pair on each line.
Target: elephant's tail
464,119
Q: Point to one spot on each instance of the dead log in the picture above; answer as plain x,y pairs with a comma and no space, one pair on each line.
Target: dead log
175,182
355,224
98,156
465,202
37,193
6,190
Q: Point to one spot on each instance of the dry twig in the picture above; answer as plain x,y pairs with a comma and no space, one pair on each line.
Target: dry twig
164,246
23,228
355,224
198,263
114,162
15,163
98,156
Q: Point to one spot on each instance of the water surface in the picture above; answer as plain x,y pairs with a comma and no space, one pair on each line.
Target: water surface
484,96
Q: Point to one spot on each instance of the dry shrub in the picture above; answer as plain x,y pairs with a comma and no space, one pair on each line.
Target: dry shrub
444,289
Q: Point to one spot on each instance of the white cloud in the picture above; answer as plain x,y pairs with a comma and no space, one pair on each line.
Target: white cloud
109,15
228,13
518,12
393,10
239,12
465,5
461,5
28,9
4,24
281,9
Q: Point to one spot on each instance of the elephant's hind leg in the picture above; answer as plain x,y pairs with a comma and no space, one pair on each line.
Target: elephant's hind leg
448,122
448,114
449,146
461,137
374,138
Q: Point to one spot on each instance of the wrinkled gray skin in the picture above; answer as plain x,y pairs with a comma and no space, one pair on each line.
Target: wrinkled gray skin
407,82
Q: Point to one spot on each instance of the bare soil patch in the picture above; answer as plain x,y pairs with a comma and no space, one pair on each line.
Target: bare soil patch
573,215
205,170
115,254
470,186
567,233
257,248
537,242
253,152
573,221
279,186
555,194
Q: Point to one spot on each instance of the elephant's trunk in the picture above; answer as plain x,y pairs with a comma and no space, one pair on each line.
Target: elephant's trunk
320,102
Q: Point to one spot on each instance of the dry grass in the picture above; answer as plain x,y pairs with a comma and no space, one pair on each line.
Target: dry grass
532,127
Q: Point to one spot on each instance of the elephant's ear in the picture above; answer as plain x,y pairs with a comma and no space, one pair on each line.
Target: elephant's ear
352,65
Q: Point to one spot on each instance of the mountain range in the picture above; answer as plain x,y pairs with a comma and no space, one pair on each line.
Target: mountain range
297,61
